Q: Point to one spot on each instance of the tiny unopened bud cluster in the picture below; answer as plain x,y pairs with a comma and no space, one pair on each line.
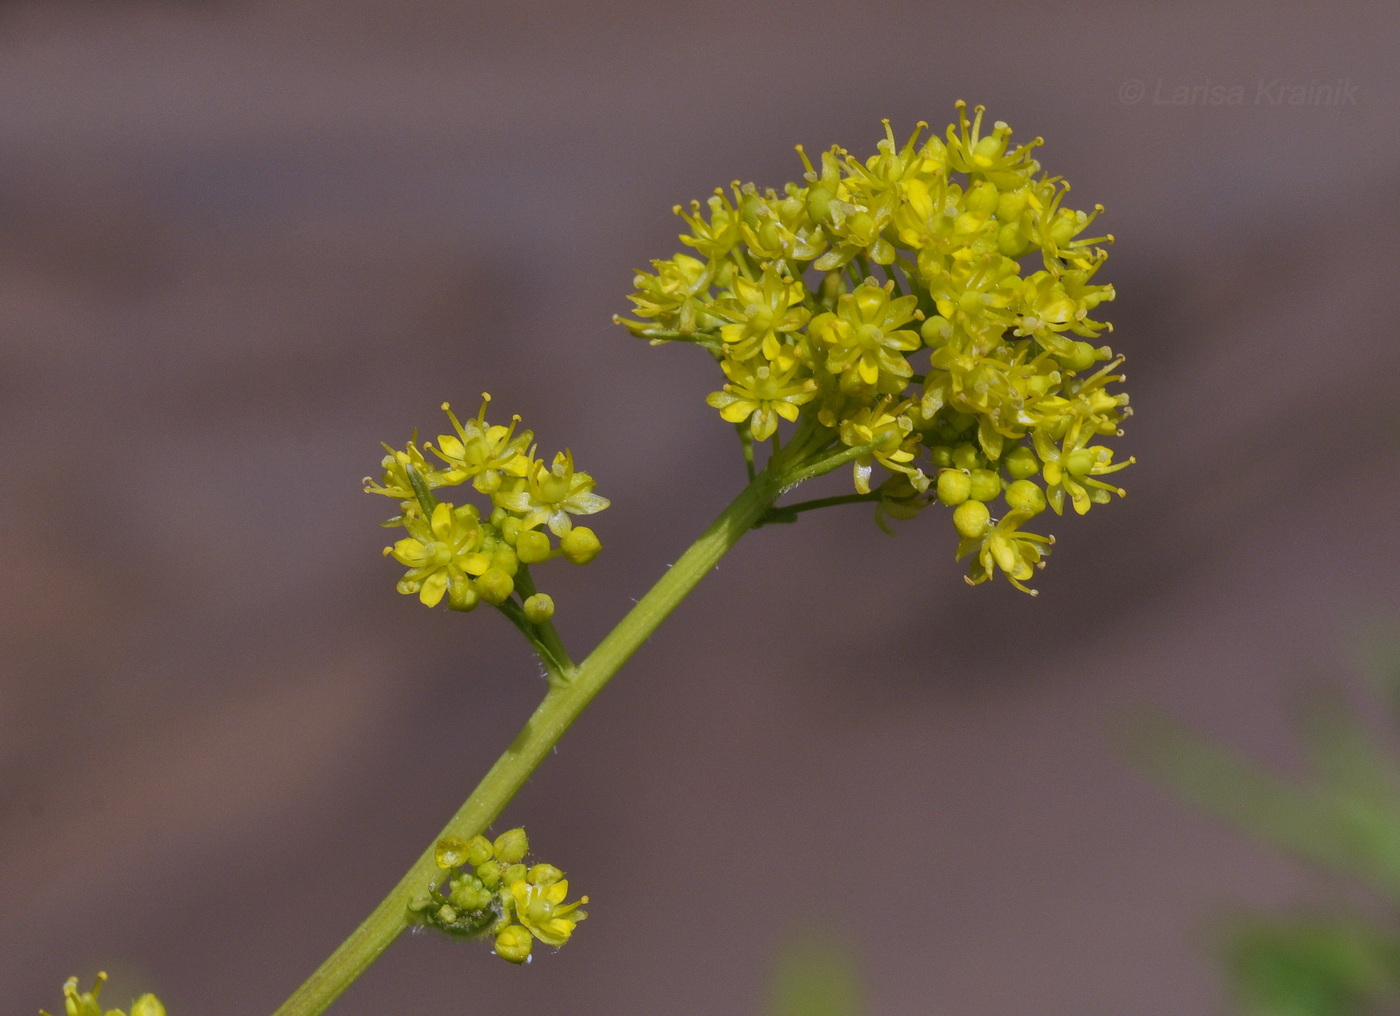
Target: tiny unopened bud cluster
468,554
930,304
489,891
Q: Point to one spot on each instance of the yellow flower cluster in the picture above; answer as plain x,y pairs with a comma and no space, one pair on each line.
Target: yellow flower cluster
85,1003
457,552
820,302
489,892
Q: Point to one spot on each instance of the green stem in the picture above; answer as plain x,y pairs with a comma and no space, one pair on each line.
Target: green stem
789,512
560,707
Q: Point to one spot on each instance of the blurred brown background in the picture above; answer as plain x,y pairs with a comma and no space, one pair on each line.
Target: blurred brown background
243,242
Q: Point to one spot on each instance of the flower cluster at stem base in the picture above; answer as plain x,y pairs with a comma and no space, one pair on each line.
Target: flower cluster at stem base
488,891
930,305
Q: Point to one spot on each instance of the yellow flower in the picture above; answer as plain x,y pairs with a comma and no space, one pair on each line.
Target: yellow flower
866,337
398,467
437,553
760,393
550,494
805,296
542,910
1003,546
479,450
85,1003
717,237
672,297
888,429
761,313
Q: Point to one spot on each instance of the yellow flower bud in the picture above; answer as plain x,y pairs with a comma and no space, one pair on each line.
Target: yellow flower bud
479,850
147,1005
461,596
514,944
936,331
543,874
504,558
580,545
985,485
954,487
532,547
1080,357
495,586
451,852
1021,463
966,456
490,874
512,846
539,608
1025,496
971,519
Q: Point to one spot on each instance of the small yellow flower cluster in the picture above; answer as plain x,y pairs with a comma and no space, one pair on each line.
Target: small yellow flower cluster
489,892
816,300
85,1003
454,551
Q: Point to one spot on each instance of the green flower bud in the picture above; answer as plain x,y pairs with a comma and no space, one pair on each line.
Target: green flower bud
1012,240
495,586
982,199
936,331
1021,462
451,852
1011,204
532,547
543,874
515,873
580,545
942,456
1079,461
966,456
147,1005
504,558
446,914
461,596
954,487
514,944
1080,357
539,608
469,894
971,519
512,846
490,874
1025,496
479,850
985,485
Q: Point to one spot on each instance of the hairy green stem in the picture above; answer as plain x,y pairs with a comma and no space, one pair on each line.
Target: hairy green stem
560,707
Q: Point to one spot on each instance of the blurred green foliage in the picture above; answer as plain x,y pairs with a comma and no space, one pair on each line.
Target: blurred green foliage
1342,816
815,976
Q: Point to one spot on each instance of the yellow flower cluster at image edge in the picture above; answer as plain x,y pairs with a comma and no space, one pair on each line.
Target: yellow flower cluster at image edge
85,1003
933,301
489,891
457,553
